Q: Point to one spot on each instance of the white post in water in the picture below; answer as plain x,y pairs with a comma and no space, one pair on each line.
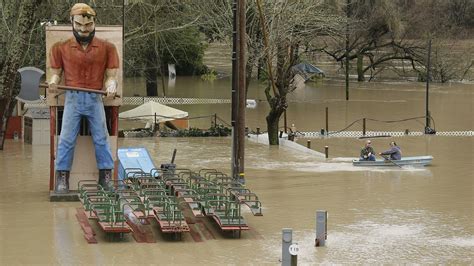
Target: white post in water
321,228
294,250
287,238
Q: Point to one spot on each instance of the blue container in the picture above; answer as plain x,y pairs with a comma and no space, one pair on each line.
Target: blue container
131,160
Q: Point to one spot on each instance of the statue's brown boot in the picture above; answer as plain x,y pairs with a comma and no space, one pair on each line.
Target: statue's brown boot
62,182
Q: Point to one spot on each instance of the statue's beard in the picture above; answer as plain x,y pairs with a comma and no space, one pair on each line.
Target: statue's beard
83,39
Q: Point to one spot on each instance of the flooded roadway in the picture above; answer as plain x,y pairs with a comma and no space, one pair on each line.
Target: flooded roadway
375,215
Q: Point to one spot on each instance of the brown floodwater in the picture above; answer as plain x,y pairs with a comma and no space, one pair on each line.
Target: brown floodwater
388,215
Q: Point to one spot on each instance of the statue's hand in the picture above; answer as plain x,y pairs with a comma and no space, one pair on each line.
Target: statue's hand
53,84
111,88
53,88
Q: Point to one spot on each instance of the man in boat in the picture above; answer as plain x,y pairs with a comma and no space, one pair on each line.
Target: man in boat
292,134
395,152
367,153
88,62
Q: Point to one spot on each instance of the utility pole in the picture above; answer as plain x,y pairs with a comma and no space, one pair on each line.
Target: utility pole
234,98
124,3
242,94
238,90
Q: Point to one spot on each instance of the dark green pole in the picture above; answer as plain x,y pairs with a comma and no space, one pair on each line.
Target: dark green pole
348,13
428,70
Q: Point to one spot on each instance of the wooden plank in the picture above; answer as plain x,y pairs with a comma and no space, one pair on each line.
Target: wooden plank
205,231
116,228
149,237
89,233
254,233
194,231
197,213
90,239
141,233
142,217
233,228
87,229
173,227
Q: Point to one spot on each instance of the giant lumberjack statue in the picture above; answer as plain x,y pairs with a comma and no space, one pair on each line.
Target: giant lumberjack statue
88,62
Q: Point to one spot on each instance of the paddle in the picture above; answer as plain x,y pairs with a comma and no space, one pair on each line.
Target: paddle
388,159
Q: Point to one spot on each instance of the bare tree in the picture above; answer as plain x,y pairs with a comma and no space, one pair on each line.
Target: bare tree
275,33
372,32
385,32
449,25
283,33
19,27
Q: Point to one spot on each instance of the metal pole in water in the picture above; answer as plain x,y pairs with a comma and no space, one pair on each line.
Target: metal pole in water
327,121
294,260
321,228
363,127
428,69
287,238
348,15
326,151
174,156
308,144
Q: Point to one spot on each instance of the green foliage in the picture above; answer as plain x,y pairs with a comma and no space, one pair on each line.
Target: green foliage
214,131
159,33
220,130
421,76
264,76
185,49
210,75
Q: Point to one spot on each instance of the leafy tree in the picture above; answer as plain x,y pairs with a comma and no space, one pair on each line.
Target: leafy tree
184,48
159,33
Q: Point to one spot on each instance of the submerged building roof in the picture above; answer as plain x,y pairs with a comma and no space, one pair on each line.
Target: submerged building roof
307,70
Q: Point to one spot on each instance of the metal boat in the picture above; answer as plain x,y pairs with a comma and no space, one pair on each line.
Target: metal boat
412,161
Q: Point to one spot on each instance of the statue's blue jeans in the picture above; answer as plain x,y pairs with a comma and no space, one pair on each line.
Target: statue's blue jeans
90,106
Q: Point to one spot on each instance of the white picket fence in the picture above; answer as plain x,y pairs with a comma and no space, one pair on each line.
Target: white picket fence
358,134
